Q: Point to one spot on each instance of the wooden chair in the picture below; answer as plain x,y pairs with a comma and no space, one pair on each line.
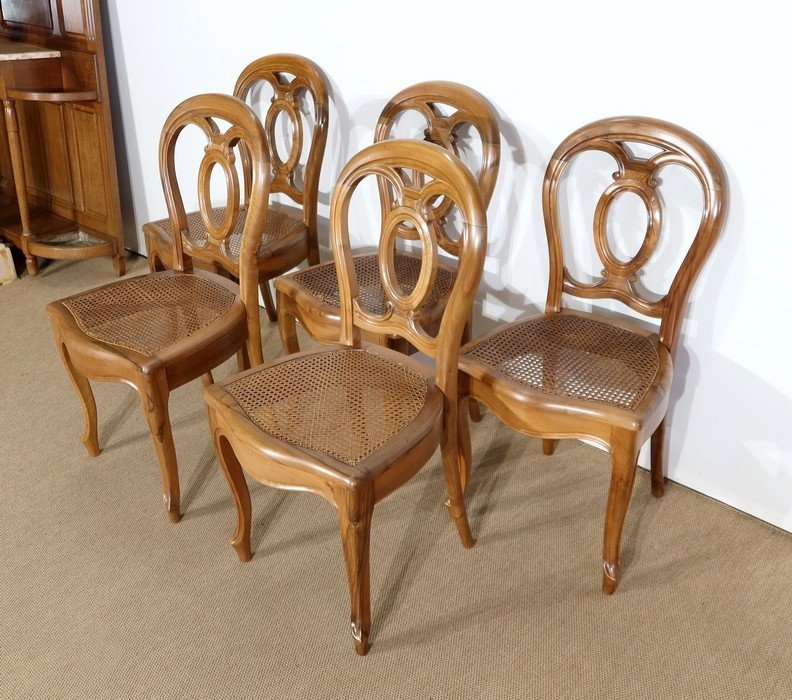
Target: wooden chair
312,296
354,421
578,375
289,235
161,330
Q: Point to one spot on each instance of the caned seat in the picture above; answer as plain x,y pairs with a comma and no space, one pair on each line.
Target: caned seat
161,330
321,282
566,355
289,235
311,296
150,313
354,421
281,229
348,405
568,374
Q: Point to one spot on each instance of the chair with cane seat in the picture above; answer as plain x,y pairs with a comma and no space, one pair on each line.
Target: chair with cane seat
159,331
578,375
353,422
289,235
312,296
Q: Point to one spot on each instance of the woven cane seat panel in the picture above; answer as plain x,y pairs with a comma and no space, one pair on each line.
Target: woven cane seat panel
342,403
321,282
150,313
278,226
568,355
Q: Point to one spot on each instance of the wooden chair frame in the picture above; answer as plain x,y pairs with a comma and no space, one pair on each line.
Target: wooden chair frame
354,490
322,321
622,431
308,80
87,357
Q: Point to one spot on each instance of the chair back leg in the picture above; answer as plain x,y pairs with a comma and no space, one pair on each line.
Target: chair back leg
266,295
243,358
454,465
287,325
658,460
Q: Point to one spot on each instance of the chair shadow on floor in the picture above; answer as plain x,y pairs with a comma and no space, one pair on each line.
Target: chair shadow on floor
109,426
490,492
427,517
196,482
488,478
549,584
414,549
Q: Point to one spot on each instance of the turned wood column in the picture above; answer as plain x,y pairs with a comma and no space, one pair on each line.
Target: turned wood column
18,166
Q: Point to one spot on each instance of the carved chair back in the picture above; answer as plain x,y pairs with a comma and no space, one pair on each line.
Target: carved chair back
292,78
244,134
619,278
442,175
470,109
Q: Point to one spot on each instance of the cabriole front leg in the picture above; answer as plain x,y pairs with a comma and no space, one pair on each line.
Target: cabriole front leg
624,456
239,490
153,391
90,436
355,508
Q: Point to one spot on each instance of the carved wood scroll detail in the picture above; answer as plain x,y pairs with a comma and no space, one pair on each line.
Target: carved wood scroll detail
619,279
470,109
444,176
293,78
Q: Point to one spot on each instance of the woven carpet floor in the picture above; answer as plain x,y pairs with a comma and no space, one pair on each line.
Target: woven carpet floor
100,597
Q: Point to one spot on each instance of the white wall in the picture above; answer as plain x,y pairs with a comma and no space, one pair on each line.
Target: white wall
548,68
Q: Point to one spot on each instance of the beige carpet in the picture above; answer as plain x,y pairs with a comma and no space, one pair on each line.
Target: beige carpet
100,597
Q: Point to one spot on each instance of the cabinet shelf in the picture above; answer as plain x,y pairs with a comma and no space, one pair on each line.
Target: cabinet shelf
54,237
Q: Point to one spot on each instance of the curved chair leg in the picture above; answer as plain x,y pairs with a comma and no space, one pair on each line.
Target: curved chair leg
453,454
548,446
207,379
287,327
90,436
658,460
155,262
355,507
239,489
243,359
266,295
624,456
154,393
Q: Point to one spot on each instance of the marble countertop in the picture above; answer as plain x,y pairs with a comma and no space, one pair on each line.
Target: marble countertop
20,51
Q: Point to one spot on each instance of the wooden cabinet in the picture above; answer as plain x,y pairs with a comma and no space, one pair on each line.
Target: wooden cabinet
58,182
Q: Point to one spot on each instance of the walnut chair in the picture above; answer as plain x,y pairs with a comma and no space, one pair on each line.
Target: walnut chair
354,421
578,375
164,329
312,296
289,235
